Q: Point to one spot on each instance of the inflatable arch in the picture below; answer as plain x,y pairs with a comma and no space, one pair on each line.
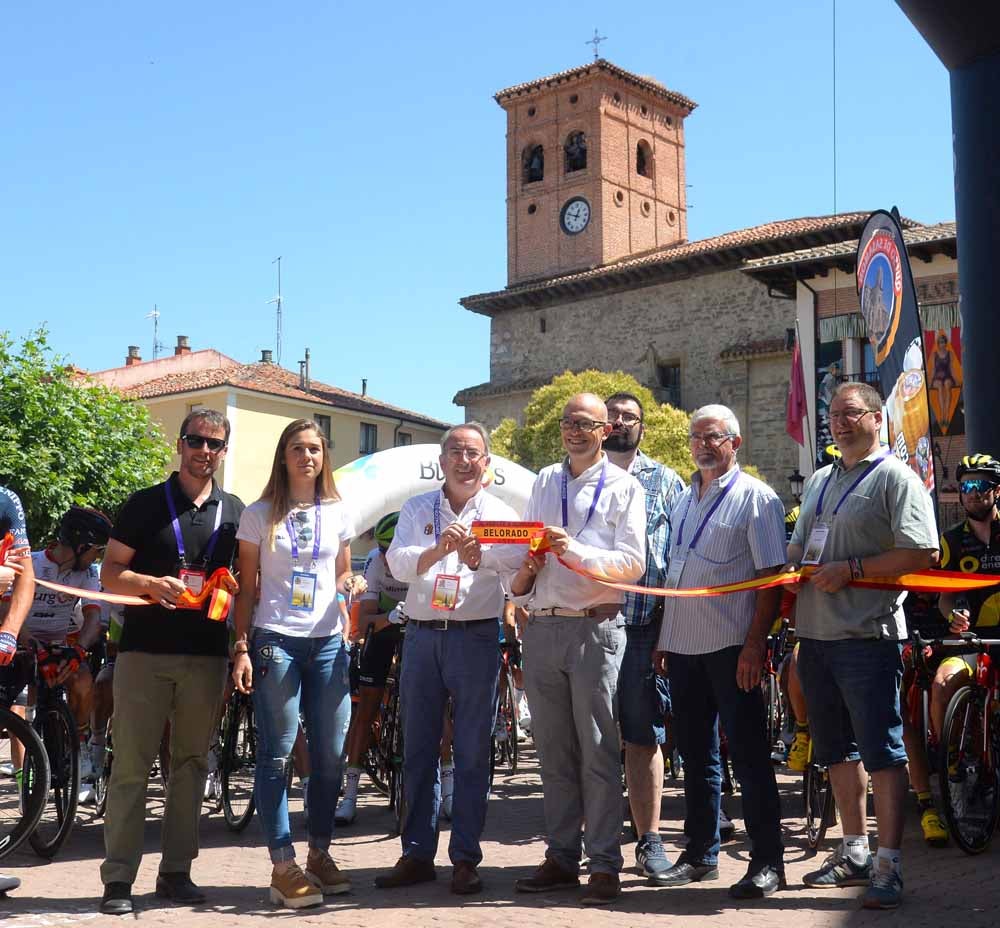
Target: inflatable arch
377,484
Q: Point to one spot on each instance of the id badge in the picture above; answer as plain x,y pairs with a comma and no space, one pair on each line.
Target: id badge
674,572
194,580
303,594
816,544
445,595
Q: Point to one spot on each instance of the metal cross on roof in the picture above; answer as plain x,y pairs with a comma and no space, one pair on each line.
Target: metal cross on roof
596,41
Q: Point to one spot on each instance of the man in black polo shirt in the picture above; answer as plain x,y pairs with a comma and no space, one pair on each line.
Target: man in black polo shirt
172,660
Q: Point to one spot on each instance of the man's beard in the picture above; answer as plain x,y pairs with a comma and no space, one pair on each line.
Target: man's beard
619,442
979,513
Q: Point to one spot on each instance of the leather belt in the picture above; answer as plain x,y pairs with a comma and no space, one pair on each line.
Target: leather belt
601,611
442,625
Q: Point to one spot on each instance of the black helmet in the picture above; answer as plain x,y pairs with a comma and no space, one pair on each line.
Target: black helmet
84,528
830,454
979,464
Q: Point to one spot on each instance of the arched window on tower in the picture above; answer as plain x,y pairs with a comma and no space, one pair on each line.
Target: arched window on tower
533,164
643,159
575,151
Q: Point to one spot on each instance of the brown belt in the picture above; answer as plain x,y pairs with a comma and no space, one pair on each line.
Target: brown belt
600,611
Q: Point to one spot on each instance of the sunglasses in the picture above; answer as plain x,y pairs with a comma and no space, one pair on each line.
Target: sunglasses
197,442
981,487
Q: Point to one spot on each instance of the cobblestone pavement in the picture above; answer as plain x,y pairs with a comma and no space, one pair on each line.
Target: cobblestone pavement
943,887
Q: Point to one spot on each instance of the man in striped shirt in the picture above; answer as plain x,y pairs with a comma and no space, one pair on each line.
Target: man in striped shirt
727,527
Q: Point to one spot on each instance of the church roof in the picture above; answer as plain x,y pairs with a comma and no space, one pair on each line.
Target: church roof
729,251
781,271
647,84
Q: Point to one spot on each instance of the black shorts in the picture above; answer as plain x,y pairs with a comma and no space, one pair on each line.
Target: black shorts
376,659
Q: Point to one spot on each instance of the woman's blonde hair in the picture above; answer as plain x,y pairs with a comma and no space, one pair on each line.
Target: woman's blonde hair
276,491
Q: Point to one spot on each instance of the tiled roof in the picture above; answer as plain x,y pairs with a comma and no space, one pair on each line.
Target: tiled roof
649,84
755,349
490,388
721,252
274,380
914,236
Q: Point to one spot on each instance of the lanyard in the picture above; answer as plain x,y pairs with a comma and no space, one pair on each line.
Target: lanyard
593,503
316,537
175,522
437,516
853,486
708,515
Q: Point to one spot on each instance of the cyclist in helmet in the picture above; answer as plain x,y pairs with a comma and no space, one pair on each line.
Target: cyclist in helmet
971,546
378,607
51,621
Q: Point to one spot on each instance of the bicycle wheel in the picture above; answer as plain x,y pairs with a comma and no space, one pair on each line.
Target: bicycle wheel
22,800
58,733
818,802
397,795
103,777
970,782
238,763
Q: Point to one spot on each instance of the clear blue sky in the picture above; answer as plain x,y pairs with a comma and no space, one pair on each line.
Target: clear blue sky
165,155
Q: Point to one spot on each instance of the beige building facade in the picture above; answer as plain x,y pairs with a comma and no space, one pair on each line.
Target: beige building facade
259,400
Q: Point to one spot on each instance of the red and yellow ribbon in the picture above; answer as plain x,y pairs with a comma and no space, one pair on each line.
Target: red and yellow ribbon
922,581
215,590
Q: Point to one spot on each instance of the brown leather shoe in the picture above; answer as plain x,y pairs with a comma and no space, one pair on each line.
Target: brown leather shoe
602,888
465,880
408,872
547,877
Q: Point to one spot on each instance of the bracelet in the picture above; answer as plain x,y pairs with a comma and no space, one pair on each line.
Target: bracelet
857,571
241,647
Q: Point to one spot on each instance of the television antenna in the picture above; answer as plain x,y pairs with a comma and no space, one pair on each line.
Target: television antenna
157,344
277,302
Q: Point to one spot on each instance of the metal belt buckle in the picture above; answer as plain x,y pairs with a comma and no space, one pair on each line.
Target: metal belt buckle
442,625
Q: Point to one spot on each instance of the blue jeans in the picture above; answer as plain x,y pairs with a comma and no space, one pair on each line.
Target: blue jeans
643,694
463,663
703,689
852,696
289,673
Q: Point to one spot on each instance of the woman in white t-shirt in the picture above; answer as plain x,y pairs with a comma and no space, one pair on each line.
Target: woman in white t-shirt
296,536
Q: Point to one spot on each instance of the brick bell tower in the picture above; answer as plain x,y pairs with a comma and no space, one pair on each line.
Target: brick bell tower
595,170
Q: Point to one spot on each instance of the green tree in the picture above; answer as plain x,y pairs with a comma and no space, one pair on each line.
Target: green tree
66,441
537,443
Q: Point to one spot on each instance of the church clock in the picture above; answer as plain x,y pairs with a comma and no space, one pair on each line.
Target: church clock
575,216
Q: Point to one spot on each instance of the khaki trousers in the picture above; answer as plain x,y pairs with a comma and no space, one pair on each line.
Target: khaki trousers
149,689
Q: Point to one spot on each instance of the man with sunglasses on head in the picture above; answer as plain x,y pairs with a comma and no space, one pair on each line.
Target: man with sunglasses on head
643,695
172,659
867,514
727,527
594,515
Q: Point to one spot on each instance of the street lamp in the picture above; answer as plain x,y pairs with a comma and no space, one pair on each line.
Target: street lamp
796,481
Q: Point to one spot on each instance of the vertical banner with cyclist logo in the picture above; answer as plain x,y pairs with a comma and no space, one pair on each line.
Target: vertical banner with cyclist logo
888,301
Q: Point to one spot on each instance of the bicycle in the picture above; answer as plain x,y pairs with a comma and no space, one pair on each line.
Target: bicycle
503,749
970,753
238,761
386,752
22,797
820,809
56,728
774,708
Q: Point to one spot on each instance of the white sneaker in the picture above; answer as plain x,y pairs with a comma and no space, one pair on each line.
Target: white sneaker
87,795
524,716
7,770
447,789
347,810
213,782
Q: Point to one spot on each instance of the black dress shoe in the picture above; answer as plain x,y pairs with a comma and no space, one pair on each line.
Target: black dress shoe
682,873
178,886
760,880
117,899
